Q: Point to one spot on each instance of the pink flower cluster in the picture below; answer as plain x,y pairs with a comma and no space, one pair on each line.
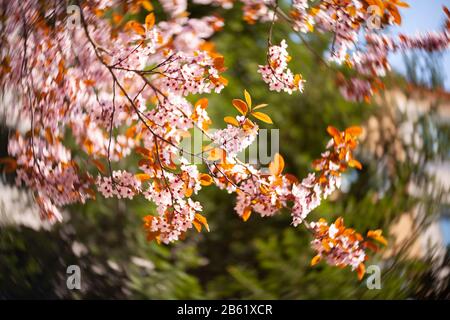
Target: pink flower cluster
276,72
226,4
49,171
302,20
235,139
277,191
338,246
186,74
121,185
258,10
176,210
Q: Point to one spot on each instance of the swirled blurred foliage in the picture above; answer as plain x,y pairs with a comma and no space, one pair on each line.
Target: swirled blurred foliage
264,258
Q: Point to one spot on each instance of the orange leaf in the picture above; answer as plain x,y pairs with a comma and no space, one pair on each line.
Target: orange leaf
355,164
263,117
336,134
205,179
223,81
339,223
232,121
148,221
332,131
377,235
219,63
203,103
188,192
354,131
49,135
100,166
89,146
371,246
401,4
131,131
197,225
325,245
246,214
143,152
396,14
315,260
248,99
142,176
147,5
277,165
145,163
248,124
202,220
260,106
361,270
150,20
216,154
241,106
10,164
136,27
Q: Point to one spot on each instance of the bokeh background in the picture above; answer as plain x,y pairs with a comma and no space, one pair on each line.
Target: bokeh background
402,189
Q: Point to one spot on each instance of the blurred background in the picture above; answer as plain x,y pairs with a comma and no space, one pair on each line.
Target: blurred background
402,189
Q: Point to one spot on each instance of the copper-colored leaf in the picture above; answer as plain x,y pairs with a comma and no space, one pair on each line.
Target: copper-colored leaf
143,151
203,103
205,179
232,121
49,135
100,166
401,4
248,124
361,270
371,246
145,163
241,106
197,225
142,176
332,131
10,164
396,14
335,133
150,20
147,5
354,131
223,81
339,223
315,260
202,220
188,192
216,154
248,99
246,214
136,27
219,64
326,245
277,165
262,116
377,235
355,164
260,106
